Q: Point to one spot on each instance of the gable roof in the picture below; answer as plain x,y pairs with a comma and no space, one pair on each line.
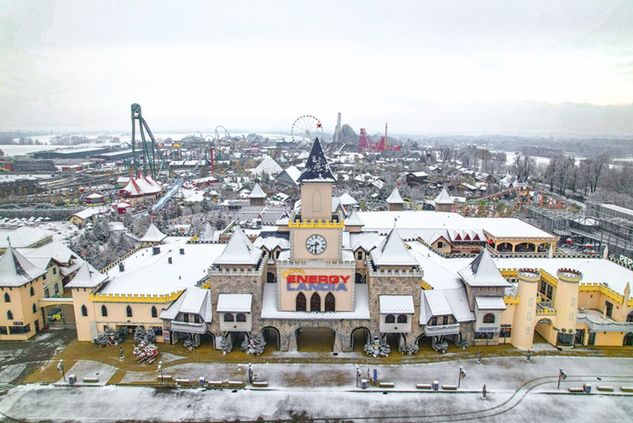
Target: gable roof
443,197
239,250
87,277
394,197
393,252
347,200
193,300
16,270
257,192
317,168
483,271
353,219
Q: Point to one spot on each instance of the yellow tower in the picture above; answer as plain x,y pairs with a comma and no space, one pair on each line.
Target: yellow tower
566,304
525,311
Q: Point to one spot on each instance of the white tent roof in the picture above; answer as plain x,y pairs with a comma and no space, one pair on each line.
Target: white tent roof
396,304
393,252
235,303
257,192
16,270
483,271
153,234
87,277
239,250
394,197
443,198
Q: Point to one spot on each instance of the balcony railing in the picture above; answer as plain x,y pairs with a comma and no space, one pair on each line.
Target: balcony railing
188,327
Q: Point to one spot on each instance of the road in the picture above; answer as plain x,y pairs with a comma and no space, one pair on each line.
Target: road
518,392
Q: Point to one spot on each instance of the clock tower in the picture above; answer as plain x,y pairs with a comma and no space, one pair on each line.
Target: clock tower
315,232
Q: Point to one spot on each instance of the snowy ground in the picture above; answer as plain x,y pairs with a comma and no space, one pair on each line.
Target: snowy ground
90,369
517,390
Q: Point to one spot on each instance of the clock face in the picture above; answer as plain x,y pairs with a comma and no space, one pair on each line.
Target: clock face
316,244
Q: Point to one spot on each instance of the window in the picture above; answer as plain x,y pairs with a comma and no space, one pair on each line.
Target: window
7,297
158,330
440,244
390,318
505,331
315,302
32,291
13,330
196,318
300,302
433,321
609,307
56,289
46,292
154,312
54,270
9,315
277,254
489,318
240,317
84,311
228,317
444,320
44,276
629,318
128,311
34,308
359,255
330,302
402,318
3,330
104,311
483,335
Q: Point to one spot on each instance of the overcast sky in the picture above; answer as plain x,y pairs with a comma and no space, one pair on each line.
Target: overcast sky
425,67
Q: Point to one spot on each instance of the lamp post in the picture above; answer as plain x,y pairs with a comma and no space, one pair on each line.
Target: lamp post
357,375
478,357
561,375
529,355
60,367
160,371
462,374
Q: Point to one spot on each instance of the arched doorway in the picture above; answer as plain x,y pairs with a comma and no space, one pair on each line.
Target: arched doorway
395,340
330,302
315,339
315,302
628,340
300,302
358,278
270,277
543,332
272,337
629,318
524,247
208,339
504,247
358,339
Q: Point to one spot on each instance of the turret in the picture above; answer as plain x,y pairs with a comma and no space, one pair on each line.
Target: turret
525,311
566,304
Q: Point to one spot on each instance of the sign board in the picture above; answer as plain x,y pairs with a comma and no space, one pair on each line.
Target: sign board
626,260
166,337
487,329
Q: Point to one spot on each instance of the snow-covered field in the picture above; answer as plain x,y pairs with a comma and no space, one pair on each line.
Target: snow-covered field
518,391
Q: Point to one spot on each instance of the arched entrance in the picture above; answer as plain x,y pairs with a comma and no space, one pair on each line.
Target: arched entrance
395,340
628,340
208,339
358,278
270,277
315,339
543,332
358,339
272,337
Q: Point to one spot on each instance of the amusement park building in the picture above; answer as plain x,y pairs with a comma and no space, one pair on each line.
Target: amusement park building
408,276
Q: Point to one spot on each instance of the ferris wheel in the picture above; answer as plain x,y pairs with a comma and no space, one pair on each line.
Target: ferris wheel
306,128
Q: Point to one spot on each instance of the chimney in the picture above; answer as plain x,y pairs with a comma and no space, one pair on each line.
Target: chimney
182,251
155,250
169,260
121,267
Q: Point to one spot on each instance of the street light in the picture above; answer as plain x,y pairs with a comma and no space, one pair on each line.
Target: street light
462,374
478,357
160,371
60,367
561,375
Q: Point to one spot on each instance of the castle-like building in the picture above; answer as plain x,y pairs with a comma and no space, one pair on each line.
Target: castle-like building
409,277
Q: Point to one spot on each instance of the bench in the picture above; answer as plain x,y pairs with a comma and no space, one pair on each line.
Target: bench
182,380
423,386
576,390
214,383
604,388
90,380
386,385
165,377
260,384
449,387
235,384
626,388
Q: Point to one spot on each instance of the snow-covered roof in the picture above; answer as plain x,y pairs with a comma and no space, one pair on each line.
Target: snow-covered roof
208,233
353,219
483,271
443,198
361,307
91,211
23,237
445,302
55,250
153,234
239,250
234,303
394,197
396,304
148,273
393,252
141,185
272,242
87,277
348,200
317,168
490,303
16,270
193,300
257,192
268,166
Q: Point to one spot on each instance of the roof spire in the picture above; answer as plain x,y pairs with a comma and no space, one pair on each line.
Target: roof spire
317,168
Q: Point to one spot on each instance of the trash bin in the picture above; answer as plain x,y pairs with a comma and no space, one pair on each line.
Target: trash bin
201,381
436,385
364,383
72,379
587,389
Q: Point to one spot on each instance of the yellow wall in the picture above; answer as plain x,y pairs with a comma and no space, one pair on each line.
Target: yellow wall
344,299
316,200
300,252
21,306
